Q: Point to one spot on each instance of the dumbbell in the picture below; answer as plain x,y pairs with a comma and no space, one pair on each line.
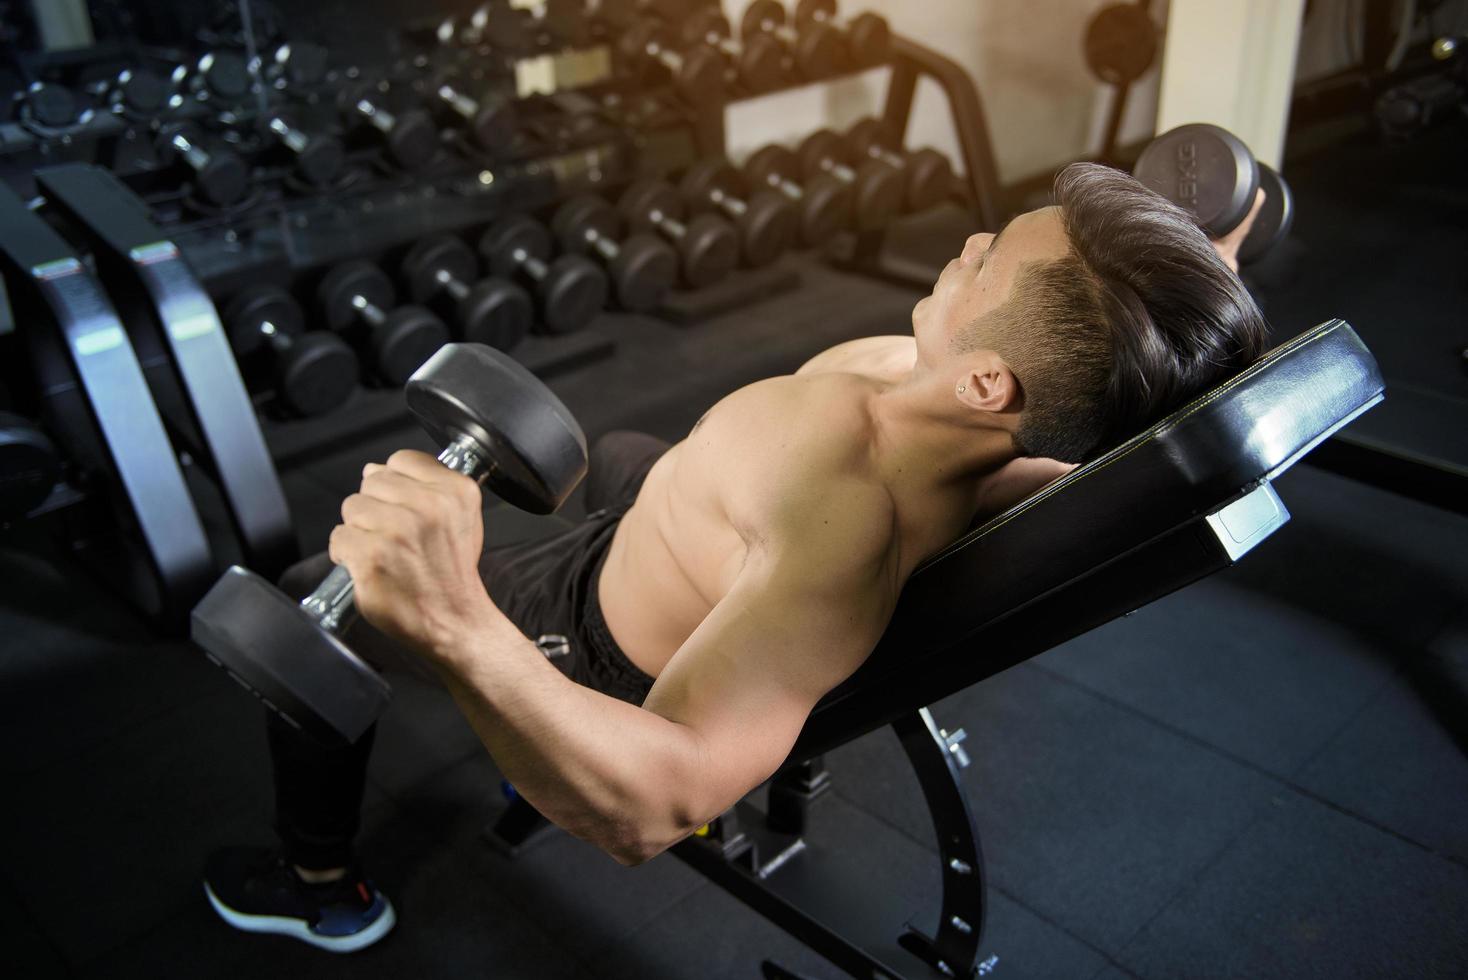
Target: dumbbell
492,311
823,205
296,64
313,372
816,52
137,93
490,119
642,268
358,297
318,159
411,137
221,176
49,106
563,21
1209,171
758,63
572,289
496,23
876,187
928,174
218,76
766,221
698,73
707,245
498,425
29,466
868,38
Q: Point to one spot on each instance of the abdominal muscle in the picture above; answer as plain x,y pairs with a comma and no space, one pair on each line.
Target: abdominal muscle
676,553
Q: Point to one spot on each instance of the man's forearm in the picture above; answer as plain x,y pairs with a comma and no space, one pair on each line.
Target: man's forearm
604,770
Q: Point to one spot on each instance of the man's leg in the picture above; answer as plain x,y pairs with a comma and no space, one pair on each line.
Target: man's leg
310,888
319,787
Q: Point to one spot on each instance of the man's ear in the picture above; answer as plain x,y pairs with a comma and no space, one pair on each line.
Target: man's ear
989,385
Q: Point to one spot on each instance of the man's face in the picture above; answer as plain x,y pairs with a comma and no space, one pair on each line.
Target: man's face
980,279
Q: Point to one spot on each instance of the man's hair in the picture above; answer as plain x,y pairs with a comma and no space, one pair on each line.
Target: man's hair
1139,317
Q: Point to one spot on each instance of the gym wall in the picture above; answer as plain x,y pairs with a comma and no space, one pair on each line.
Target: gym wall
1045,107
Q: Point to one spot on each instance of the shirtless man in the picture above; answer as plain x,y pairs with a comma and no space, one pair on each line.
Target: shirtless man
731,581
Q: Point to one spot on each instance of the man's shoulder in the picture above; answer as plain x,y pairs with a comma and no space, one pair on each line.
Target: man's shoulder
865,355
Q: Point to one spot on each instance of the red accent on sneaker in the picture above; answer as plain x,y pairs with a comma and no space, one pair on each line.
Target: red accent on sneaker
362,890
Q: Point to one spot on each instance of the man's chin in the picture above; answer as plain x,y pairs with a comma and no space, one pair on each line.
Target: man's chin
918,310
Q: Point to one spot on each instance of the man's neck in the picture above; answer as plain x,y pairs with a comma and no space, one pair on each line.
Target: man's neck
925,436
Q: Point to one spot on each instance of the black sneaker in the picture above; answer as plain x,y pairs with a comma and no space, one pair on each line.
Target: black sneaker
252,888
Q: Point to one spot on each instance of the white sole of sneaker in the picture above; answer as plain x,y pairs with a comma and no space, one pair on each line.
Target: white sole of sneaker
296,929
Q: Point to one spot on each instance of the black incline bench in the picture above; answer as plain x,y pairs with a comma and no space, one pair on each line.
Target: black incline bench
1189,496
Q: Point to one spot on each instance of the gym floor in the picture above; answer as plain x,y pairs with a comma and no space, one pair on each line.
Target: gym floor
1263,775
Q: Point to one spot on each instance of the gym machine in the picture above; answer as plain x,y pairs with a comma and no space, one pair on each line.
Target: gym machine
97,404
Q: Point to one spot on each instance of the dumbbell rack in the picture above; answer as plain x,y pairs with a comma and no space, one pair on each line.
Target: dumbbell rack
979,192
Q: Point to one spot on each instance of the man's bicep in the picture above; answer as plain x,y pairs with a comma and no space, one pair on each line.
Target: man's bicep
746,680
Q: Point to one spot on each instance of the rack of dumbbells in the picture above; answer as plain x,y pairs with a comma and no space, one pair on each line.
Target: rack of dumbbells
225,255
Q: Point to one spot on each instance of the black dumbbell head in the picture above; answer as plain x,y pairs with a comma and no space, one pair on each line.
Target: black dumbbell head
820,52
701,24
434,254
140,93
634,40
701,79
929,179
707,176
867,133
769,228
256,306
710,251
580,215
809,12
518,231
493,125
878,196
533,447
321,160
225,179
566,21
224,74
1204,169
413,141
350,279
1275,218
279,652
772,161
819,149
761,64
643,273
317,375
574,292
304,63
825,211
510,28
761,16
407,337
496,312
29,466
869,39
51,105
643,198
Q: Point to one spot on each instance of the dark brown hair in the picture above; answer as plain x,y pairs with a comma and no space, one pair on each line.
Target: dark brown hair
1141,316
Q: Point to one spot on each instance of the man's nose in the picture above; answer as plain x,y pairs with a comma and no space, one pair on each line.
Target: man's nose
975,246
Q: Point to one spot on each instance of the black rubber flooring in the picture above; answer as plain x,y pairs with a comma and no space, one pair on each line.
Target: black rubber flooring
1255,777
